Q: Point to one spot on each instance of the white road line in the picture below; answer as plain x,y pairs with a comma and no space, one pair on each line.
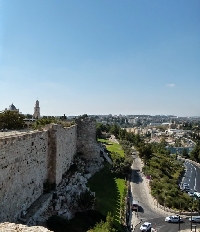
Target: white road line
195,180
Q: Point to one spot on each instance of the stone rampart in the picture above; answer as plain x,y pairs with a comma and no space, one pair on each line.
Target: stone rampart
23,170
29,160
86,138
62,148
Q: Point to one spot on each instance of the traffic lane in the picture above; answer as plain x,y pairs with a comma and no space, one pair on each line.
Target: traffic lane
146,210
162,226
192,176
197,178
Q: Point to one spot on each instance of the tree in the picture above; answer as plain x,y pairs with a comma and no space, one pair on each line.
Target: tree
145,151
195,153
115,130
185,153
107,226
11,120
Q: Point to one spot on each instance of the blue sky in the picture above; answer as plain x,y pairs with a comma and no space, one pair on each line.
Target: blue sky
100,57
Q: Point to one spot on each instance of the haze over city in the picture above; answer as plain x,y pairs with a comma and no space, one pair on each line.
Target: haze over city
100,57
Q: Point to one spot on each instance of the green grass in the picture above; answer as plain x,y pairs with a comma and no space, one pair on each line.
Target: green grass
109,191
112,147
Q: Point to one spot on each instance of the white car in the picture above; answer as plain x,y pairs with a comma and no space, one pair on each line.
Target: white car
191,193
196,194
195,218
173,218
145,227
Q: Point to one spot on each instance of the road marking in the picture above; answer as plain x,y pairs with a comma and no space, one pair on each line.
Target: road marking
195,180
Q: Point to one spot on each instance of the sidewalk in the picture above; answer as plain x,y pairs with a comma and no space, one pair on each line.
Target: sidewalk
188,230
134,220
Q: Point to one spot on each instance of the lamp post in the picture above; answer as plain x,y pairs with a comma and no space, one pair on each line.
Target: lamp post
179,221
191,220
191,215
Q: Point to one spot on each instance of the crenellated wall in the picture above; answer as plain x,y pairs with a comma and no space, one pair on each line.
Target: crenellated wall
30,159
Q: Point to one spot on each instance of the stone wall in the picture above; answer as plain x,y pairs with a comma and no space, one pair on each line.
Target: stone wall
28,160
62,148
86,138
23,169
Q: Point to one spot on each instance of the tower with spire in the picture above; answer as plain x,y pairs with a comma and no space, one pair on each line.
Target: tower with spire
36,110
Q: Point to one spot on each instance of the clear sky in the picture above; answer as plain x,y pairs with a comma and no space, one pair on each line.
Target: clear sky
100,56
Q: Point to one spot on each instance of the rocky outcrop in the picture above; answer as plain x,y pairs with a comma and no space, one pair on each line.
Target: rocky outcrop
64,200
12,227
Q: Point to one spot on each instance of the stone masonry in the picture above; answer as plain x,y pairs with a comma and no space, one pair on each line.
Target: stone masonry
30,159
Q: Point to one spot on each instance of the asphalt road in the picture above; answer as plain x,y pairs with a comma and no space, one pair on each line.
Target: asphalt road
146,211
192,176
162,226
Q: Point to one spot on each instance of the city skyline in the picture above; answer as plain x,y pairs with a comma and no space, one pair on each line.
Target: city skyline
102,57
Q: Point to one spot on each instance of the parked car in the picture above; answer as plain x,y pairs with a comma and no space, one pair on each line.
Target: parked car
195,218
135,205
186,189
145,227
196,194
191,193
185,184
173,218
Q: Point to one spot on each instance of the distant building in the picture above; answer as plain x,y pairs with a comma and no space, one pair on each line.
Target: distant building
12,108
36,110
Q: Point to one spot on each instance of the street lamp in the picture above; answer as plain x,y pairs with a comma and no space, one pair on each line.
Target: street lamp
179,219
191,215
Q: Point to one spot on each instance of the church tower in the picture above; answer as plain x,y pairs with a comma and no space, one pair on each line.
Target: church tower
36,110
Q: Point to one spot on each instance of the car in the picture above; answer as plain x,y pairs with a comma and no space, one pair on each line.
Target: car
135,205
195,218
191,193
186,189
174,218
185,184
145,226
196,194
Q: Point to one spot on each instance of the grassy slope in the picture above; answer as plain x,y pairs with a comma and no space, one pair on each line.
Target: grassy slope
112,147
108,189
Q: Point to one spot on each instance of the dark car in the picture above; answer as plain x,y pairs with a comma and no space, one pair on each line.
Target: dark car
186,189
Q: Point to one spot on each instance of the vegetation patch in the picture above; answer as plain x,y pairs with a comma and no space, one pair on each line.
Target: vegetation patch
82,222
112,146
108,191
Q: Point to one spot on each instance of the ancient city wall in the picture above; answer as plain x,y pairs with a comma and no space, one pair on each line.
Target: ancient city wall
62,148
23,170
29,160
86,138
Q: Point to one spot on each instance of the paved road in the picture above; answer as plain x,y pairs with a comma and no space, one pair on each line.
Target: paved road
162,226
145,211
148,211
192,176
139,193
